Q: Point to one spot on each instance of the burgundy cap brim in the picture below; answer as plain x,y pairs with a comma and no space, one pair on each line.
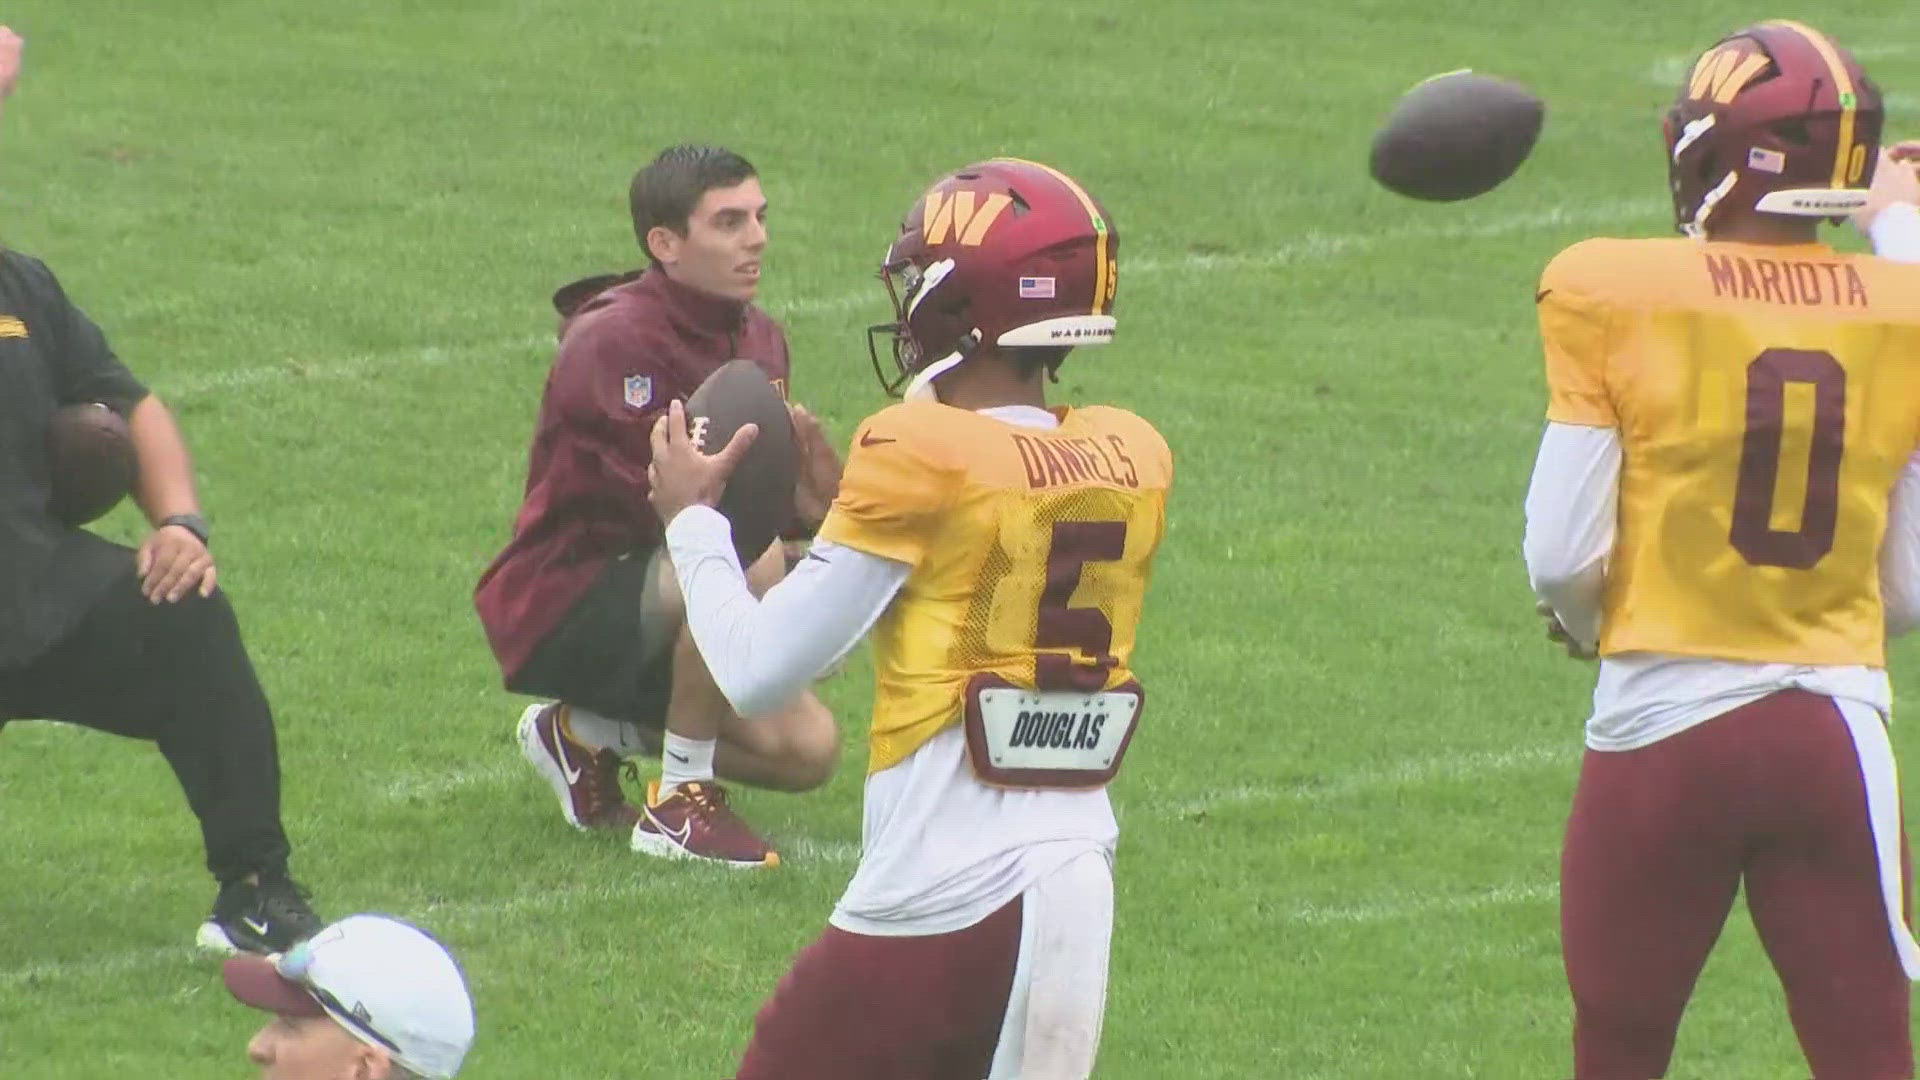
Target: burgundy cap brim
253,981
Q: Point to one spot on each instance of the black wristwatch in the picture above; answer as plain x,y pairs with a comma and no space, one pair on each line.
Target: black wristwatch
193,523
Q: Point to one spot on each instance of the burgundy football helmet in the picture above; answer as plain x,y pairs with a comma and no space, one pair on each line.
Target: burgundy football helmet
1005,252
1775,118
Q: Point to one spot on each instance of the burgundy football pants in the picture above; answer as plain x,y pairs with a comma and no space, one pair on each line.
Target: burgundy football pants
1658,844
855,1007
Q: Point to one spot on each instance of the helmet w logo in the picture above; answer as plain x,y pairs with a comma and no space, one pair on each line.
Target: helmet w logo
958,211
1723,73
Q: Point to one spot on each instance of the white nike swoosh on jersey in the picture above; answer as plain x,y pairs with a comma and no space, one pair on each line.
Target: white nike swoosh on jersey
256,927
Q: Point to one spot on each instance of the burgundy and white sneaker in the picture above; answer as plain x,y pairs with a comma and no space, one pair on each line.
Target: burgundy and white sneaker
586,781
695,822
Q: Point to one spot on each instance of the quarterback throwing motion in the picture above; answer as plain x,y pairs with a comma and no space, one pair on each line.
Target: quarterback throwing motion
999,552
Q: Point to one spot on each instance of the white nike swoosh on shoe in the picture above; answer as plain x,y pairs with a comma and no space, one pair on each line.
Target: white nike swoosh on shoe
678,836
560,753
257,927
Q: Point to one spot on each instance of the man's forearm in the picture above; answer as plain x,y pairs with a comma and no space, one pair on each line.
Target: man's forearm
165,483
764,652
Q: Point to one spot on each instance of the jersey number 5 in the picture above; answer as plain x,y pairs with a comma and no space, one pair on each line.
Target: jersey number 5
1074,544
1753,534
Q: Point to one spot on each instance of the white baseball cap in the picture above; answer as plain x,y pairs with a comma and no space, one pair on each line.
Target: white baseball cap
387,982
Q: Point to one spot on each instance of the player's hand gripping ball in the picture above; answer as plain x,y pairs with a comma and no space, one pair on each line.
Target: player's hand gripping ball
1456,136
758,501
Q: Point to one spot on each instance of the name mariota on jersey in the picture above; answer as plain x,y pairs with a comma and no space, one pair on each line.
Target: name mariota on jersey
1787,281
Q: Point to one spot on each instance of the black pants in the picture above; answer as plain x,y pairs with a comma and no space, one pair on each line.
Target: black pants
613,650
176,674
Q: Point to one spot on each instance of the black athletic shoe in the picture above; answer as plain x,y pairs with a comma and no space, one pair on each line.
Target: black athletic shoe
265,918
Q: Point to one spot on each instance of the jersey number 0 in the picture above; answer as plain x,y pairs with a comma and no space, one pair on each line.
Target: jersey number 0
1753,534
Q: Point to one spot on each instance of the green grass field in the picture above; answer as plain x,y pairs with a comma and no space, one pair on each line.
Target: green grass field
327,234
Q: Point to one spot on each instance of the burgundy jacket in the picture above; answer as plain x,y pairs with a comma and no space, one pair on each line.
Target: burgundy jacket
625,352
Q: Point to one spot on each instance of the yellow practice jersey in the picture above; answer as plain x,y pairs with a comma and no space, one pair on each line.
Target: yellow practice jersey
1031,549
1766,398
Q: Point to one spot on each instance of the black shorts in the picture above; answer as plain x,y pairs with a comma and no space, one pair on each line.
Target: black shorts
612,652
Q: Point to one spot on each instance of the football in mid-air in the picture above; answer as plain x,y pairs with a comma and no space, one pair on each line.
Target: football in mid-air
1455,136
758,502
90,462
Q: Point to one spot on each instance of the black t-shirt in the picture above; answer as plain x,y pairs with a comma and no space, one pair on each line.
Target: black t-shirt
50,355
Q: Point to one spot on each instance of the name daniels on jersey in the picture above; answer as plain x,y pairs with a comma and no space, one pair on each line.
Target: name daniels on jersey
1055,461
1787,281
1057,730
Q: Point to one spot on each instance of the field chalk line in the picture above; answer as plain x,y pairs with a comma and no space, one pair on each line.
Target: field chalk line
1310,247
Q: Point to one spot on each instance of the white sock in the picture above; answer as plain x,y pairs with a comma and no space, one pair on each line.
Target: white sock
596,732
683,761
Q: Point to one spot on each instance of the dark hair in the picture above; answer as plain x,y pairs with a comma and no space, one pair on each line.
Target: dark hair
667,190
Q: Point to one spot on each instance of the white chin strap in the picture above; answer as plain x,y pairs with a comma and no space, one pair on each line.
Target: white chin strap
1697,228
921,386
1691,134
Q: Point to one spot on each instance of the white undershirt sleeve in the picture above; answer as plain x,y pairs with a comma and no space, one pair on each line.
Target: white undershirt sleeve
1896,233
1572,508
1900,552
762,653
